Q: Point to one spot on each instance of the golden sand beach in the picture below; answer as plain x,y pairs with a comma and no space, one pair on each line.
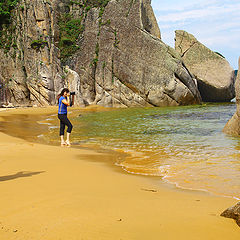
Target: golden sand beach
52,193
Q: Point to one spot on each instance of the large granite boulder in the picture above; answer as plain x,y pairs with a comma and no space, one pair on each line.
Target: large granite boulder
133,66
233,125
214,75
110,52
233,212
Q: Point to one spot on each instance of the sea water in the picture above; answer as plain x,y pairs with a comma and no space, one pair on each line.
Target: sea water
182,145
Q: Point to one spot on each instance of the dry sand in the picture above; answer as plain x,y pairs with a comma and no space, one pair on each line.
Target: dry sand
53,193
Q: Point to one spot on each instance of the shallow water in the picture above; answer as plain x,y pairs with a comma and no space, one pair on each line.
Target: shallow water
182,145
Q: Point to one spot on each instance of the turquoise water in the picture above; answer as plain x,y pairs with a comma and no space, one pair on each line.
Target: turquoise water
182,145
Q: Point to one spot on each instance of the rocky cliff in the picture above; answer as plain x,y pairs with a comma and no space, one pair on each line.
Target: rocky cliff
233,125
109,52
214,74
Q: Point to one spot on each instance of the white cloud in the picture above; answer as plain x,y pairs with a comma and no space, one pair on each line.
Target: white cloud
230,41
200,13
214,23
232,25
175,6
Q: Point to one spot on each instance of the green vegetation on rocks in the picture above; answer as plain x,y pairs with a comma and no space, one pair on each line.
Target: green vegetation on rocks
5,10
70,30
37,44
7,29
90,3
72,25
7,38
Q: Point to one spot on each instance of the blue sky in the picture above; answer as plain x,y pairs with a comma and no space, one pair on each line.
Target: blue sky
215,23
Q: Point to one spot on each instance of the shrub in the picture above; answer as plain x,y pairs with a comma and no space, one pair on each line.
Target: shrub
37,44
5,10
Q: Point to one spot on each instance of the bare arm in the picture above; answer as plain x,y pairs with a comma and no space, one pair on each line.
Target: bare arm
66,101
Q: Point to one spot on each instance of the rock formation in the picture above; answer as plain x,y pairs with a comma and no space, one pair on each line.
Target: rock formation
233,125
233,212
29,65
214,75
110,52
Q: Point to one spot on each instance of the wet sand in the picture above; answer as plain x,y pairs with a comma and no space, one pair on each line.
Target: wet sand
52,192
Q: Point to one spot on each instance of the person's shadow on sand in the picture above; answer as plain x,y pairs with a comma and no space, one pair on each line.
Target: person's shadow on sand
19,175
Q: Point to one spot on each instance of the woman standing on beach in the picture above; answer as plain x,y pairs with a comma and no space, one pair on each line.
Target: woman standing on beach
63,103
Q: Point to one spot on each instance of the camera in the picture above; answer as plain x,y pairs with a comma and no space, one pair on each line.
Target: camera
72,94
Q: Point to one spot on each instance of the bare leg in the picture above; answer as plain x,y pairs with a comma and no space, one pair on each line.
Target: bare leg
68,139
62,141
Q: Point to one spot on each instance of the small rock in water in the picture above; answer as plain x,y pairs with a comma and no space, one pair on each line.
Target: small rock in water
233,212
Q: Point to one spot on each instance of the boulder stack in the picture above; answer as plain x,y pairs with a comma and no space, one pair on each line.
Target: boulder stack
215,76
